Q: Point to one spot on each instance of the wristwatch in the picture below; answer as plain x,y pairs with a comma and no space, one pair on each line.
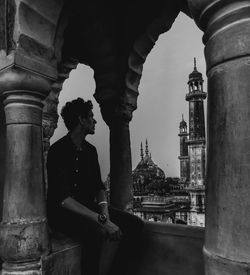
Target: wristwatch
102,218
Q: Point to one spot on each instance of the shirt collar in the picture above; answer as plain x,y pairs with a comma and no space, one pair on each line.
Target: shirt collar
84,143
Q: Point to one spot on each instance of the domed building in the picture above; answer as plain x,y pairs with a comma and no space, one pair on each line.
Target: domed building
146,173
153,200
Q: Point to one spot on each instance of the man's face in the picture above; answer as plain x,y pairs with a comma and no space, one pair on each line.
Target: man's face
89,123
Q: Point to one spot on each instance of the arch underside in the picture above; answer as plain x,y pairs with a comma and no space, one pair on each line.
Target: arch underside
112,38
115,40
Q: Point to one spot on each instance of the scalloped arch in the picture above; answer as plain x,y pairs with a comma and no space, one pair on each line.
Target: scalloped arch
141,49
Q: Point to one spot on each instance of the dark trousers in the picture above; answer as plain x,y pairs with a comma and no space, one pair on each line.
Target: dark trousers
96,250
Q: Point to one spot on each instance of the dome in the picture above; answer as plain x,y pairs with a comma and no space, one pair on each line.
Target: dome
195,75
146,170
183,123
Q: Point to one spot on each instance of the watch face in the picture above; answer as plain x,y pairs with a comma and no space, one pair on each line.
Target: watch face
102,218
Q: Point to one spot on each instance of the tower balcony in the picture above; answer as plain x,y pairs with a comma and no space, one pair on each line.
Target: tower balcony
199,140
193,187
195,95
183,157
183,134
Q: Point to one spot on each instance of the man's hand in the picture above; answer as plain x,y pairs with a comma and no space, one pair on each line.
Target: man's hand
112,231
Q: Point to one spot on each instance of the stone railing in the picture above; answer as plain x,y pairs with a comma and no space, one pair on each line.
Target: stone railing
161,249
169,249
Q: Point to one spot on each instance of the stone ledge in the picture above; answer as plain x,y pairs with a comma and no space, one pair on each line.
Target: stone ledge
169,249
195,232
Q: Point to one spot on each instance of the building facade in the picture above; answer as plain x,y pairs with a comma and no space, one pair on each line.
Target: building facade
146,177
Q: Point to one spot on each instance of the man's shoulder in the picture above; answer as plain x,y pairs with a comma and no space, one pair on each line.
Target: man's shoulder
60,144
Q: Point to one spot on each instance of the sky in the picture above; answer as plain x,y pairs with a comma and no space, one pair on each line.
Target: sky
161,100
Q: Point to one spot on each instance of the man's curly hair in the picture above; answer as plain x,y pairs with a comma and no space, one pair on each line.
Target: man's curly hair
73,109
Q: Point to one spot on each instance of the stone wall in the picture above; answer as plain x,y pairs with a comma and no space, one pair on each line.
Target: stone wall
169,250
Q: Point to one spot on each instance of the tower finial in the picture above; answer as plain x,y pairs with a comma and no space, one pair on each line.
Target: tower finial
146,150
142,155
182,116
195,64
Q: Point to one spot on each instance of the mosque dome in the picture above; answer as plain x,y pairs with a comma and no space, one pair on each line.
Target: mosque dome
147,171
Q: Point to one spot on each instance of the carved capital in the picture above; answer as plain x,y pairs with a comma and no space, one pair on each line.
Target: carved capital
226,26
213,16
17,78
23,107
117,113
49,126
208,12
50,116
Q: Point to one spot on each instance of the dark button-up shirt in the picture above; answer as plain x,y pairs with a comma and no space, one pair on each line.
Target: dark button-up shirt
72,172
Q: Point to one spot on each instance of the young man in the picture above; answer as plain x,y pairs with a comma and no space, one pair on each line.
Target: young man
77,203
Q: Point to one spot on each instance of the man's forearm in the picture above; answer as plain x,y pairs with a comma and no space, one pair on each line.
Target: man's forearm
78,208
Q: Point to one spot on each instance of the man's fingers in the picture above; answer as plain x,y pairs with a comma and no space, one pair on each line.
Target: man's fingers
113,233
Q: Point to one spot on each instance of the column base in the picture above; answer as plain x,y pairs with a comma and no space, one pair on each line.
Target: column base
23,242
217,265
31,268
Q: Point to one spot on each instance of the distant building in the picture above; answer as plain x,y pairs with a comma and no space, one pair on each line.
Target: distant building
145,173
176,200
193,150
157,198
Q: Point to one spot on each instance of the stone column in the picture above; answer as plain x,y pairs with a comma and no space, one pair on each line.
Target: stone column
24,238
227,50
118,117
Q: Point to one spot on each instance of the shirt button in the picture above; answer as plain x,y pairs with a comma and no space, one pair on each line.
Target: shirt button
77,170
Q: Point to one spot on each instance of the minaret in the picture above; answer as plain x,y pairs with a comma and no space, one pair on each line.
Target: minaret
196,147
184,158
196,141
146,149
142,155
